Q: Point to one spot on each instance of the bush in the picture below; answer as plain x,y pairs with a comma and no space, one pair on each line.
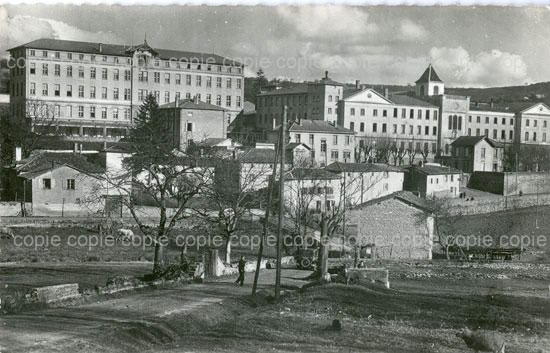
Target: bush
93,258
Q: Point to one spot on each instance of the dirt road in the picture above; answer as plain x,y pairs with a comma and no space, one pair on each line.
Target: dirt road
133,321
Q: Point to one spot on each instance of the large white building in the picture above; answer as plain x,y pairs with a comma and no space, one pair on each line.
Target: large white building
94,90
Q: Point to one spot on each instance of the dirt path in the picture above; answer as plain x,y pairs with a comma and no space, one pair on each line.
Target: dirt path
142,317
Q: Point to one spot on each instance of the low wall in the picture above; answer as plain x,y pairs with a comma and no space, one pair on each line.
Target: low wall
52,294
463,207
511,183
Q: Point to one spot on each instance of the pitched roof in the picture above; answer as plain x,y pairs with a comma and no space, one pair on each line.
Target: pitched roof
123,50
293,145
404,196
258,155
433,169
470,141
507,107
429,75
40,162
403,99
318,126
190,104
298,88
362,167
311,174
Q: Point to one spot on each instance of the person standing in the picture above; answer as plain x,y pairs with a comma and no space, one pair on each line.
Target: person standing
242,263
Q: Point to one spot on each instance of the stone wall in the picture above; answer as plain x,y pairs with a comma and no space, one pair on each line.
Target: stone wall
52,294
510,184
492,182
397,230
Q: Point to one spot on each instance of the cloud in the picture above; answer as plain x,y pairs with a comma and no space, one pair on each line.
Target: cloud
492,68
17,30
328,22
412,31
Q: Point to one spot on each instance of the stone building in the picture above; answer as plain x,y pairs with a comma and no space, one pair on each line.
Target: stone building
93,90
396,226
432,180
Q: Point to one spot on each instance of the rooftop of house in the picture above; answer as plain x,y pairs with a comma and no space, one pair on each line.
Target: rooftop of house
311,174
293,145
470,141
403,99
362,167
124,50
320,126
40,162
406,197
191,104
506,107
433,169
429,75
298,88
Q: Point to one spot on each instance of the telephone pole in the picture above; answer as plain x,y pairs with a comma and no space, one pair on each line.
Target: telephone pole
281,204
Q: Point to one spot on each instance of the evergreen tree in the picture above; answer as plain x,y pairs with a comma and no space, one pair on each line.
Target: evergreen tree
260,81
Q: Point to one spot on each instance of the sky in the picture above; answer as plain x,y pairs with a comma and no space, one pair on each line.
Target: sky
468,46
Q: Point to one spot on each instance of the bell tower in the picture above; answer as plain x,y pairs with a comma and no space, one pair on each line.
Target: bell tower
429,84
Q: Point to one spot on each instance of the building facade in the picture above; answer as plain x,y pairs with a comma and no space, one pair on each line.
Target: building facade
93,90
477,154
433,181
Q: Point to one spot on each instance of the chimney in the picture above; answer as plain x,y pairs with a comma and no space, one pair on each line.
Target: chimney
18,154
100,48
386,93
357,84
326,75
274,123
492,102
476,104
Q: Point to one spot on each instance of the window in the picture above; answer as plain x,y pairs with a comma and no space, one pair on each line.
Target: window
334,139
198,81
434,131
426,130
44,89
419,115
143,76
92,72
127,94
495,134
352,126
323,145
363,112
190,127
411,114
92,58
104,93
103,113
45,69
503,134
238,101
228,101
33,68
347,155
403,113
411,129
166,97
80,111
483,153
33,52
385,113
352,111
81,56
32,89
395,112
167,78
127,75
347,140
384,128
208,81
104,58
104,74
57,90
228,83
544,137
374,127
218,100
115,113
115,93
69,111
535,123
311,140
209,98
92,92
57,70
178,79
92,112
127,114
534,136
477,132
362,127
44,54
403,129
46,183
334,155
56,111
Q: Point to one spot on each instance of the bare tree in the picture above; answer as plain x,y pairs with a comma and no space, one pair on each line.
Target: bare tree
447,225
411,154
425,152
234,192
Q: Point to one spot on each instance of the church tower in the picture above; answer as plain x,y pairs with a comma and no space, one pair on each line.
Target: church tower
429,84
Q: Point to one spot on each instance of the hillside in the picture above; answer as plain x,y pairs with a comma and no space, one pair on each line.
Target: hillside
534,92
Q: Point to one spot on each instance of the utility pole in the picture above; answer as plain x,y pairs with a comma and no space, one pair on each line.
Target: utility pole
281,204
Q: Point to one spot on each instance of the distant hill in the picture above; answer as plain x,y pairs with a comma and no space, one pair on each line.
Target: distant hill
537,92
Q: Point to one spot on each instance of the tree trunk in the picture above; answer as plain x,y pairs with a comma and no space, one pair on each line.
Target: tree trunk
158,264
228,251
323,251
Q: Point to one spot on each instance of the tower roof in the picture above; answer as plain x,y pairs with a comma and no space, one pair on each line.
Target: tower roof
429,76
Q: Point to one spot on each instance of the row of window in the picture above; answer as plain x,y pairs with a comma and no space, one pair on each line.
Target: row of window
142,93
68,184
179,64
495,120
395,130
410,145
335,139
91,112
495,133
411,113
143,76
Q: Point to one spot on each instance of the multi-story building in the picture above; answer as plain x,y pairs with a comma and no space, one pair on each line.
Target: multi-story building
432,180
400,120
313,100
95,89
328,142
477,153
